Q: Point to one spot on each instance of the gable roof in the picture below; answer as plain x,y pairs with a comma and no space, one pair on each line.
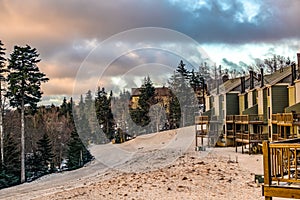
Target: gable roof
230,85
278,76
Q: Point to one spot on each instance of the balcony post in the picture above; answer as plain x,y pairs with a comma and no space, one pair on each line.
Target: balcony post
267,167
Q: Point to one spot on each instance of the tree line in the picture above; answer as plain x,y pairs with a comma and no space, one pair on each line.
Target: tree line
33,140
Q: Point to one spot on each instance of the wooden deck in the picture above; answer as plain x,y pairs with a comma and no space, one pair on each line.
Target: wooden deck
238,129
286,124
281,169
206,127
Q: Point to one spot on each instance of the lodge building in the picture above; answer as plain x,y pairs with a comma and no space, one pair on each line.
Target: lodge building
251,109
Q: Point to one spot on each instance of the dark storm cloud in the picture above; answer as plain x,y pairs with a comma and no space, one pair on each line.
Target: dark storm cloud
101,19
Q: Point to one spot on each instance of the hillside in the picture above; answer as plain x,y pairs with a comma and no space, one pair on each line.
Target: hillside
152,166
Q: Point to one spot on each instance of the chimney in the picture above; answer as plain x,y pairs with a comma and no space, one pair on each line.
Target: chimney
293,68
262,77
242,84
225,78
251,79
298,59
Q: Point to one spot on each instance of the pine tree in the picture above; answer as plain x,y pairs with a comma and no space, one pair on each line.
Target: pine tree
174,113
121,112
64,107
195,80
89,103
183,97
183,71
24,87
44,153
104,113
81,105
2,78
78,155
10,171
82,122
146,100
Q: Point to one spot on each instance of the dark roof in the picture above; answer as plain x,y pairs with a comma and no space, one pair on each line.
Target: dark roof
278,76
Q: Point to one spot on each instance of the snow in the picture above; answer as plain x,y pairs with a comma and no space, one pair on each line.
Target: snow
145,160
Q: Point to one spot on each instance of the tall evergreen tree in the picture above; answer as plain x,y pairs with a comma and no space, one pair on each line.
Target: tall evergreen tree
183,97
24,87
174,113
121,112
89,102
44,153
10,171
3,70
81,105
195,80
82,123
146,100
182,70
78,155
104,113
64,107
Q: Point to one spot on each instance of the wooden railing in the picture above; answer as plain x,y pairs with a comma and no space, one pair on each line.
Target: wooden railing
201,119
241,118
274,118
230,118
256,118
286,118
249,118
281,170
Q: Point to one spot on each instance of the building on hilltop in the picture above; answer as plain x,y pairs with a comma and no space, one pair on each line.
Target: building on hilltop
162,96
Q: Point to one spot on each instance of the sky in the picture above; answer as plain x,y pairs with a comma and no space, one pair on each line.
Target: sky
114,44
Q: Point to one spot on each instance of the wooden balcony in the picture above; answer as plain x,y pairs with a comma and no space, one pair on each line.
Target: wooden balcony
286,119
201,119
230,133
246,137
203,126
230,118
255,119
281,169
241,119
274,118
249,119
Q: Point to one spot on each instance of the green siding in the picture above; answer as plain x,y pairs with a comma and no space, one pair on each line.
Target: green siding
221,99
252,110
211,102
295,107
279,99
207,113
254,97
246,101
232,104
